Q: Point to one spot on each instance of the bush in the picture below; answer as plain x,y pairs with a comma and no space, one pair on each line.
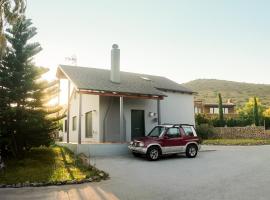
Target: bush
204,131
267,122
201,119
218,123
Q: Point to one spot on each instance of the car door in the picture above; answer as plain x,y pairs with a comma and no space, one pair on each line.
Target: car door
172,141
188,133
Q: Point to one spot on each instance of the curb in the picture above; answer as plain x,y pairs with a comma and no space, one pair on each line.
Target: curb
102,176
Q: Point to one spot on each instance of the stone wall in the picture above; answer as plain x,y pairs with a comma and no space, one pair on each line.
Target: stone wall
240,132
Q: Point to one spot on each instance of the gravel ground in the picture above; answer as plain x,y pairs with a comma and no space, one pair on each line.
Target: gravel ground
218,172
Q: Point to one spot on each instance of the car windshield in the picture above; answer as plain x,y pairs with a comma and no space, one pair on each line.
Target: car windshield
156,131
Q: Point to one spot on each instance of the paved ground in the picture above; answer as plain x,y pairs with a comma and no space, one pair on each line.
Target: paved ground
241,173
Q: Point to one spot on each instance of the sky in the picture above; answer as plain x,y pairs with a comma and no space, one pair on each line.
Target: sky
180,39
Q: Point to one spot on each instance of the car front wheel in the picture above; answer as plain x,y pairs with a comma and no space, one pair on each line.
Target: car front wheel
191,151
153,153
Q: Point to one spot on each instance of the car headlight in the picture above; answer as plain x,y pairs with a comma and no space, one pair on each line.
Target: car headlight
141,144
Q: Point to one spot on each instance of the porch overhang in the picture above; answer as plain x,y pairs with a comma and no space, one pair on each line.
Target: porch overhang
122,94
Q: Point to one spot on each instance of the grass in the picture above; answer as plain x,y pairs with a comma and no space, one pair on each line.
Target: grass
244,142
52,164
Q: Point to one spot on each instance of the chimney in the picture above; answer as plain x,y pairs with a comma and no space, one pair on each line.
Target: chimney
115,64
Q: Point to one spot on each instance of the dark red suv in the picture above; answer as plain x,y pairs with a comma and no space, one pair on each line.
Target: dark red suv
167,139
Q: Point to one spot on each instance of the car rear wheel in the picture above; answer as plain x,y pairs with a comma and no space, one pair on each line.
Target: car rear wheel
153,153
191,151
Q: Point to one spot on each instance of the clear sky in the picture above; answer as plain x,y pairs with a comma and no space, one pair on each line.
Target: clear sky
180,39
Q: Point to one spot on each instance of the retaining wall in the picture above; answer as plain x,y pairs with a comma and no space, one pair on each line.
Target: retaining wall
253,132
101,149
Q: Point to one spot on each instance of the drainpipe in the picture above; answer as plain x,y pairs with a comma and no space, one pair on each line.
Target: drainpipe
121,119
158,111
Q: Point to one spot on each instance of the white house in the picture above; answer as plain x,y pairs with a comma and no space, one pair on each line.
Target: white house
109,106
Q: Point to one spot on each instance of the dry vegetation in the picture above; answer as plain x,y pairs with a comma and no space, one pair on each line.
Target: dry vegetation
208,90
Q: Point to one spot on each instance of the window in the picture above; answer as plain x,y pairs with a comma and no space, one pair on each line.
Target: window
188,130
156,131
214,110
88,124
197,110
65,125
74,123
173,132
225,110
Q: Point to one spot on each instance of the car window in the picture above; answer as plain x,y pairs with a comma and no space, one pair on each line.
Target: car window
155,132
173,132
188,130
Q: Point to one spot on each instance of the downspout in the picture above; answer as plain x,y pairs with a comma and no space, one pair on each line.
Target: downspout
105,119
158,111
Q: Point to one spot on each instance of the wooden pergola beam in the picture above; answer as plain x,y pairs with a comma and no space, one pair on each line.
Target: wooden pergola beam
115,94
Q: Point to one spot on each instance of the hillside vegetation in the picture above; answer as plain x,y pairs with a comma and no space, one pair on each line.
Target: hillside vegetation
208,90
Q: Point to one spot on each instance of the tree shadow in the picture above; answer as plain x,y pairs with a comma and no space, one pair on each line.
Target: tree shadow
66,164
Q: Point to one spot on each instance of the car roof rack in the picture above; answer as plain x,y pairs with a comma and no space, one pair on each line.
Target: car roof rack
175,125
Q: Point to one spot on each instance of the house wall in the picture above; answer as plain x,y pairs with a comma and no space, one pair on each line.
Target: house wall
148,105
177,108
110,117
89,103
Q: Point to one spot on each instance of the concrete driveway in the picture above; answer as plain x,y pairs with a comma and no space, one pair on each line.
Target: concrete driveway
227,173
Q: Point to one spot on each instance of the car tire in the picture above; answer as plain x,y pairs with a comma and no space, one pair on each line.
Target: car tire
191,151
136,154
153,153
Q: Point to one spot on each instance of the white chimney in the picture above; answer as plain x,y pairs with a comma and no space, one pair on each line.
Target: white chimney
115,64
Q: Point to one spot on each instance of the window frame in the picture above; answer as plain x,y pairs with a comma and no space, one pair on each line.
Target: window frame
176,136
86,124
65,125
74,123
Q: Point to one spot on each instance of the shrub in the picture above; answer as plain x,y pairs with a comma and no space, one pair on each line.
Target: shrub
267,122
218,123
204,131
201,119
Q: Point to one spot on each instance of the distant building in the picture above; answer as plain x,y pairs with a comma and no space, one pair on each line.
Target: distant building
212,108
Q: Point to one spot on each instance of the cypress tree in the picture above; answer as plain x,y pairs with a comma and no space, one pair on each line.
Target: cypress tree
26,118
220,107
256,112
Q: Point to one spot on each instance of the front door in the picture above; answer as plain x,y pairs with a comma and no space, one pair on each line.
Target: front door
137,123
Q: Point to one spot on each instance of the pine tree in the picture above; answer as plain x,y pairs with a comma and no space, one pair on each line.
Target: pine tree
10,10
256,112
26,119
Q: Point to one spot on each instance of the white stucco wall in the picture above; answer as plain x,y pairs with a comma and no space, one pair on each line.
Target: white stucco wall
177,108
148,105
89,103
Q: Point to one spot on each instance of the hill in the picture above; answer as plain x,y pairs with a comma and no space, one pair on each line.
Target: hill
208,89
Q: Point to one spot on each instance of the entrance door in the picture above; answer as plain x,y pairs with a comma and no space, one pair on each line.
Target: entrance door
137,123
